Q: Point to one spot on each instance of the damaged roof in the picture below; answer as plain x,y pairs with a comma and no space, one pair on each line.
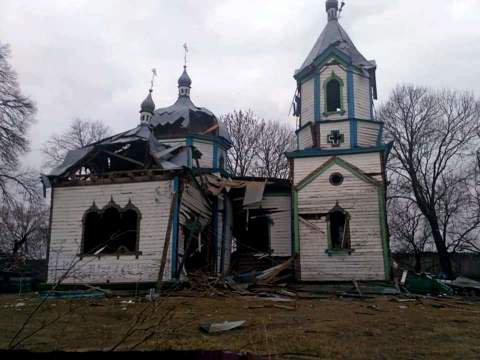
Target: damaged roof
125,146
184,118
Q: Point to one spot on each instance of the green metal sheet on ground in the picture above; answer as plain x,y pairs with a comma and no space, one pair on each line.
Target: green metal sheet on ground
71,295
425,284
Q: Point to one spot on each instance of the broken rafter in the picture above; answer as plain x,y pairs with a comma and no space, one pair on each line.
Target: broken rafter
138,163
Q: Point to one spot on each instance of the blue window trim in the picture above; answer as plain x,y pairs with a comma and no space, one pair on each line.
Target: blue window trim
320,152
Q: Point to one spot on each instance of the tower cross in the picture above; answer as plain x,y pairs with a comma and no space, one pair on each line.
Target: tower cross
336,138
185,46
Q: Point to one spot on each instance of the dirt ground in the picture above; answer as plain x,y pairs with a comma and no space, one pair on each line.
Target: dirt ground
380,328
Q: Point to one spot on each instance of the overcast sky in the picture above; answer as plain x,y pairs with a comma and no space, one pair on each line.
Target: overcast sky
93,58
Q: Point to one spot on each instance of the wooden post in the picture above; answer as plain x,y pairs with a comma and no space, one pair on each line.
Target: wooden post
166,244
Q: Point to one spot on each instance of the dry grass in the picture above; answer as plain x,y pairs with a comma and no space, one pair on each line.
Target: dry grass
333,328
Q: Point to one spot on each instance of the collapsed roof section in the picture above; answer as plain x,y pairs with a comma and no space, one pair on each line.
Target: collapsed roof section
136,149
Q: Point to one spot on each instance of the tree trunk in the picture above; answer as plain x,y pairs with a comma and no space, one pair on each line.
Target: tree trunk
443,255
418,262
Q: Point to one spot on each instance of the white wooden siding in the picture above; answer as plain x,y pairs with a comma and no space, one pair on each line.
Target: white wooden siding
367,133
362,96
308,103
173,142
324,77
207,154
305,140
326,129
69,206
368,163
360,200
281,229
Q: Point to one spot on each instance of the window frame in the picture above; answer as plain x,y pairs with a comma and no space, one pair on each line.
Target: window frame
331,251
334,77
111,205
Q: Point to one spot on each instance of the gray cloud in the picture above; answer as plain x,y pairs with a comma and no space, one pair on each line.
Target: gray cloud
92,59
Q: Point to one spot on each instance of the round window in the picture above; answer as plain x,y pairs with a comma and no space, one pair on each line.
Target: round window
336,179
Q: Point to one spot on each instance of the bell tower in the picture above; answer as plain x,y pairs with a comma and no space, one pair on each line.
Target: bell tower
338,166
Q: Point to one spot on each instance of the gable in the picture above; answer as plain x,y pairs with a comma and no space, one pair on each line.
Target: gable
335,161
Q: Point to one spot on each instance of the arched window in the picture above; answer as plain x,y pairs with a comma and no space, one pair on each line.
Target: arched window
333,94
130,229
339,229
112,230
91,225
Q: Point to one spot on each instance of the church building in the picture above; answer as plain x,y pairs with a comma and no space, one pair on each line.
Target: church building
157,203
338,168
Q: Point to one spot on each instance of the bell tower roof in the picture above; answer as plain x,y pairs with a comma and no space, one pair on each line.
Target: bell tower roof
334,36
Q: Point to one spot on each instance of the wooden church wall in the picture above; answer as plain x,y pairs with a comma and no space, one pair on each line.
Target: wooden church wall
308,104
326,129
305,140
367,133
206,148
368,163
153,199
360,200
362,96
281,228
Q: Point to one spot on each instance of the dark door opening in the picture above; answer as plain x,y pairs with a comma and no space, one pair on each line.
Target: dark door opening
253,233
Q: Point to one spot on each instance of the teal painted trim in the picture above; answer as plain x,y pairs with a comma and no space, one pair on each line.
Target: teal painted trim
319,152
216,159
380,135
190,155
343,58
175,226
384,234
351,108
347,119
317,97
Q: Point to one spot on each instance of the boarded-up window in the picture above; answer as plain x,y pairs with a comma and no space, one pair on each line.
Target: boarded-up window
334,103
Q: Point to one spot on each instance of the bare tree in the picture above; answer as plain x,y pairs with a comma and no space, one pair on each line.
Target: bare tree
435,136
16,116
79,134
24,228
258,145
409,232
275,140
244,128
